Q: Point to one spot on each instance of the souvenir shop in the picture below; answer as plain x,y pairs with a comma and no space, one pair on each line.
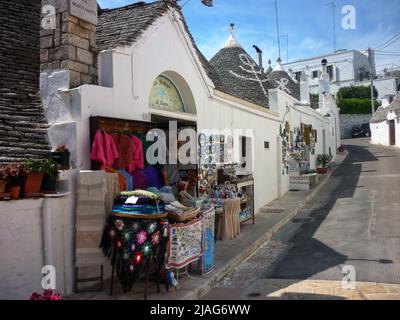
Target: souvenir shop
155,222
298,146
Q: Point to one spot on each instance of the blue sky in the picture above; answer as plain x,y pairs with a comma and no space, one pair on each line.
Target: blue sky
308,23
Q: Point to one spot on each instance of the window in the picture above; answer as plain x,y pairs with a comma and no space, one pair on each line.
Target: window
314,74
245,154
330,72
298,75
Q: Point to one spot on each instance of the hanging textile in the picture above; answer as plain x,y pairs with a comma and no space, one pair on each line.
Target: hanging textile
137,156
185,242
139,180
104,149
90,217
129,243
128,178
144,146
112,190
125,149
153,177
230,224
208,241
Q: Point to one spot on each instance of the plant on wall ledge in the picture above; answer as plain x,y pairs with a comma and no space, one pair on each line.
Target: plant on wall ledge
36,170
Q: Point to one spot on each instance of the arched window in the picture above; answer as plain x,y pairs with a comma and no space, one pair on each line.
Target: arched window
164,95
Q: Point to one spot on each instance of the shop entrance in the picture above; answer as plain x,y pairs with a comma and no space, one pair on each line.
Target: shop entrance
178,176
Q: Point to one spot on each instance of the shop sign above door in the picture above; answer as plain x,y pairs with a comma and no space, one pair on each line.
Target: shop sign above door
84,9
164,95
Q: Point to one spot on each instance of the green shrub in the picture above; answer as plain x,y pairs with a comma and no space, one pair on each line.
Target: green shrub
355,106
361,92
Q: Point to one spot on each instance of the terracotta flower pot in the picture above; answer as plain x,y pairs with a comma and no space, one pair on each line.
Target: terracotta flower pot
322,170
15,192
32,183
3,184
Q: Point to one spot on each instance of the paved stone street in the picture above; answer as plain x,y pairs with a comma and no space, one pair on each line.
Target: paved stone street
355,220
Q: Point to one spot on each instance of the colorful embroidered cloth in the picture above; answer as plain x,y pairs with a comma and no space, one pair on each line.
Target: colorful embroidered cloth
129,243
185,243
208,241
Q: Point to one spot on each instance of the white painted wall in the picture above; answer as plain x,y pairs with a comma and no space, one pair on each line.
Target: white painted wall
380,131
24,251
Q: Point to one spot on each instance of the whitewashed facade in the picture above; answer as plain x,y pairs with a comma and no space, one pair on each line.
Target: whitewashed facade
346,68
385,124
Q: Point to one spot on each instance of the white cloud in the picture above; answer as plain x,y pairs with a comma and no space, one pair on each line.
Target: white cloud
311,44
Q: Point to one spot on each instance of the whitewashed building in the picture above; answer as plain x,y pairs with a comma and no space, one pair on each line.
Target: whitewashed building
142,46
345,68
385,124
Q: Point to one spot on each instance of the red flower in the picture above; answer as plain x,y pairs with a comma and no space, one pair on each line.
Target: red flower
138,257
155,238
47,295
119,244
112,233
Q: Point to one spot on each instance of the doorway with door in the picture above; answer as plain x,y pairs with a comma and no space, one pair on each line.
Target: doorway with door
392,133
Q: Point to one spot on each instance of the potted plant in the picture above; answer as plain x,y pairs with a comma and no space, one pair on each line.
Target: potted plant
35,170
10,176
61,156
3,178
322,161
50,171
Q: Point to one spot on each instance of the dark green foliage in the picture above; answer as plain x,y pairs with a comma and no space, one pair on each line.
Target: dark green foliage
356,106
361,92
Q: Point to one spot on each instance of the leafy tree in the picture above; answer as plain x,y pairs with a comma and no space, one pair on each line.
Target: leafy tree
356,99
356,106
361,92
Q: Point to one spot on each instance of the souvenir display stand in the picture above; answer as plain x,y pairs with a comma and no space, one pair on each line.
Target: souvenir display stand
246,189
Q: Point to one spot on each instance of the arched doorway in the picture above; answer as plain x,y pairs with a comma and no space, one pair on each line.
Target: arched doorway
171,96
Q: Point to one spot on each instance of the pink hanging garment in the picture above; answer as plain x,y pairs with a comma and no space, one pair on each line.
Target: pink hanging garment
138,161
104,149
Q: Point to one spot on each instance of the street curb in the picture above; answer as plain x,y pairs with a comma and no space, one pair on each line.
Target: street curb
264,239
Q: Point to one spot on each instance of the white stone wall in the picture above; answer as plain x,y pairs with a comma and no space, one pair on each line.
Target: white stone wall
24,249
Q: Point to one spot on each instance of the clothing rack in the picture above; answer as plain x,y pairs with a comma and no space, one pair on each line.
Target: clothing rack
115,125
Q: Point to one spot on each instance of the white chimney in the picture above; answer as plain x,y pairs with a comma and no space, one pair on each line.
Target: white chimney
259,55
304,89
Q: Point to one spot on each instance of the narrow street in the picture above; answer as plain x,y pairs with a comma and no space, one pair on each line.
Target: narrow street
354,220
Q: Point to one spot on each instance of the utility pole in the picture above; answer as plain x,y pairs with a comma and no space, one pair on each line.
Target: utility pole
333,6
371,75
277,29
287,46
